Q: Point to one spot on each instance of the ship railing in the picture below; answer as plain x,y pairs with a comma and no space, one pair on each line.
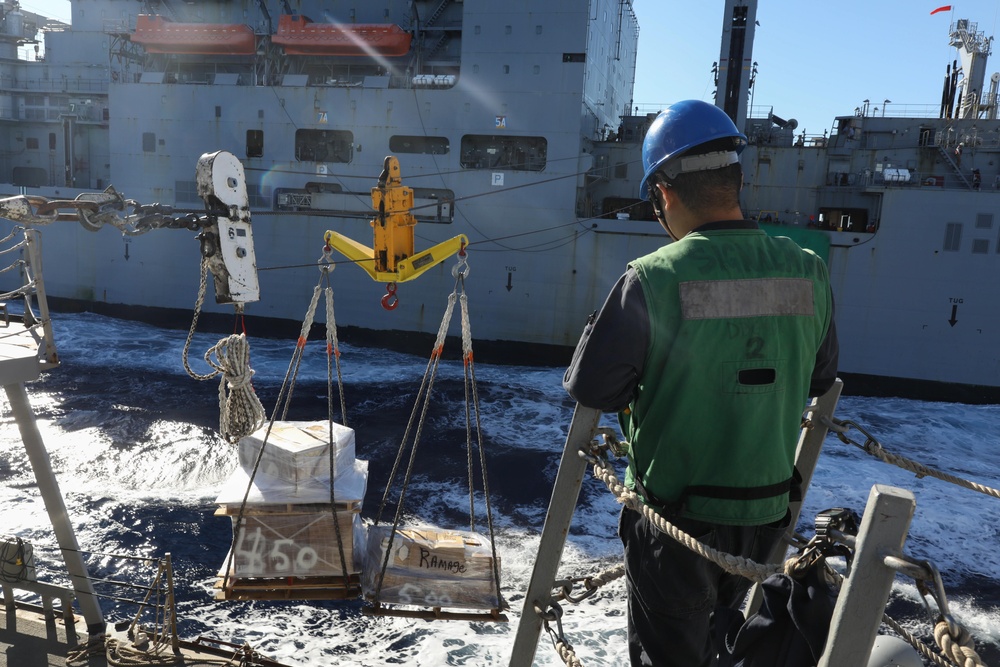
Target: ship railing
61,84
24,245
47,593
149,607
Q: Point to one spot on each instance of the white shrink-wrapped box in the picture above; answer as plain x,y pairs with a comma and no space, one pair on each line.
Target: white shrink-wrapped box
430,568
297,452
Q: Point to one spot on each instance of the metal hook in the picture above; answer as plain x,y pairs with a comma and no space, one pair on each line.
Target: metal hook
390,301
461,268
324,262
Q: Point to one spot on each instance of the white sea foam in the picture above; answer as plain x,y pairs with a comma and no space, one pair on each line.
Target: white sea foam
121,467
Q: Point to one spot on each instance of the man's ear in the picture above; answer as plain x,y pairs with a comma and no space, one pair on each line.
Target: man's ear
668,196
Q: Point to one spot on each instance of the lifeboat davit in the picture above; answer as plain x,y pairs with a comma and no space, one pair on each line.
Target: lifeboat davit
301,37
159,35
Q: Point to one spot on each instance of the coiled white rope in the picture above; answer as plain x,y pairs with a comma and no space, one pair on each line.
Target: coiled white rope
240,411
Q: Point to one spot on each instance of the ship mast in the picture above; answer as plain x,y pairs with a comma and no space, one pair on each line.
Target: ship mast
973,49
736,59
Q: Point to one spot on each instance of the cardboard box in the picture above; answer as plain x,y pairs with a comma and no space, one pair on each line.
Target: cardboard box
431,568
297,452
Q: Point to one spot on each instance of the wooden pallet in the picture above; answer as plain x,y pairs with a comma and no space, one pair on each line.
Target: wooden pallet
285,508
437,614
290,588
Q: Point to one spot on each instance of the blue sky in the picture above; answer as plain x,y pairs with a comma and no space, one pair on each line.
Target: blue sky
816,60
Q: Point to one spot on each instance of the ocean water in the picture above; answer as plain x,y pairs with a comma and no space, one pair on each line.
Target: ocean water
135,445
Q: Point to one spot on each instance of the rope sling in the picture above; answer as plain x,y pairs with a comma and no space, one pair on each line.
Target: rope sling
415,425
349,585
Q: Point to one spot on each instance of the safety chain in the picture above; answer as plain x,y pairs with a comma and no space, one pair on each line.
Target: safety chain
563,588
559,641
93,210
873,448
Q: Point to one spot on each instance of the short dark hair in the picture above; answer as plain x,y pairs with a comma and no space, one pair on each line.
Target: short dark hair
702,191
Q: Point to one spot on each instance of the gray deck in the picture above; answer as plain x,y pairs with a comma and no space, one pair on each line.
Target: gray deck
27,639
31,638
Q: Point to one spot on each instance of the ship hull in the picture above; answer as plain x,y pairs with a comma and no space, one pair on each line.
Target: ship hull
511,147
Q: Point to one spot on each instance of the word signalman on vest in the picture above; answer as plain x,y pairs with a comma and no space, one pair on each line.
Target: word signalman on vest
709,349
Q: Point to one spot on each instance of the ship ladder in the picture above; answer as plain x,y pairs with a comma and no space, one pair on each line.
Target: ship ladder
415,426
347,584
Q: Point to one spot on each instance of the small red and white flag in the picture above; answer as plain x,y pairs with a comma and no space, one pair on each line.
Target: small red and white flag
946,8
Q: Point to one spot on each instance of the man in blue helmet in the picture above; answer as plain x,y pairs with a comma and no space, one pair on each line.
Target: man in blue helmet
708,349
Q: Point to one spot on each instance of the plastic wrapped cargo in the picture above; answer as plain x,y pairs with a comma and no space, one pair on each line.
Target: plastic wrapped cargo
349,489
297,452
430,568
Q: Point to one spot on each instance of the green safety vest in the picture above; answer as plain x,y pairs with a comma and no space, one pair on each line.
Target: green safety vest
736,319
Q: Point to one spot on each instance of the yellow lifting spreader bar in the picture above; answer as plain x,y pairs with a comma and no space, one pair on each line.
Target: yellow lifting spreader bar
392,259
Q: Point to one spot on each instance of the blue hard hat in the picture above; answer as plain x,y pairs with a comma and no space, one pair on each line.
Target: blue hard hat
682,126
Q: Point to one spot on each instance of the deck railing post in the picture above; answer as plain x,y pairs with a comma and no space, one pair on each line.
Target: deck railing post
565,492
861,603
56,507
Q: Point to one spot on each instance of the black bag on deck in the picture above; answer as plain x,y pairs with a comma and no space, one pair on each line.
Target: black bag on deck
789,630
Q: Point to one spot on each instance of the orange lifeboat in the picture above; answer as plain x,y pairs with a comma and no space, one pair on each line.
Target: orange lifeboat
159,35
301,37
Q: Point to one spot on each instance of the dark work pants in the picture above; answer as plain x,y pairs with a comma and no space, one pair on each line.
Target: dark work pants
672,591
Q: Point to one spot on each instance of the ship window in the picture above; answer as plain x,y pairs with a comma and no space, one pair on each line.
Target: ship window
621,170
148,142
218,111
538,30
32,177
314,187
292,199
507,29
484,151
980,246
416,144
31,143
984,221
433,204
953,236
186,191
574,57
506,69
52,141
324,145
255,143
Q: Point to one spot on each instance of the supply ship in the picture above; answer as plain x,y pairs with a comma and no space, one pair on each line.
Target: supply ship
515,125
